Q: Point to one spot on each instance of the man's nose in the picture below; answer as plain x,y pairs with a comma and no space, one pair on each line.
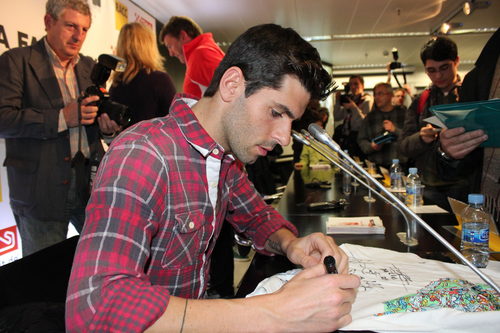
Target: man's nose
283,133
79,34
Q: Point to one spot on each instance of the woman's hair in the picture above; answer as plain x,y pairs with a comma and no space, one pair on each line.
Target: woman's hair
137,46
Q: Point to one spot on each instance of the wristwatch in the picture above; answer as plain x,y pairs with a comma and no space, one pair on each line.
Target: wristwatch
443,155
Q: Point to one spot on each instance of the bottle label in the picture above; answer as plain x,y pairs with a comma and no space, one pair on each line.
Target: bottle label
411,189
476,235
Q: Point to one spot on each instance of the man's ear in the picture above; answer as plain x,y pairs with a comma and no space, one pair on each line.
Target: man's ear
184,37
232,84
48,20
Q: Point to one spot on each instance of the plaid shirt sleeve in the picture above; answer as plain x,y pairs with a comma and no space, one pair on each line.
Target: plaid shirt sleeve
249,214
109,289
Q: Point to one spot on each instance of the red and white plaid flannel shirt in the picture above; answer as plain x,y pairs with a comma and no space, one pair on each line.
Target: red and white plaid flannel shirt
149,227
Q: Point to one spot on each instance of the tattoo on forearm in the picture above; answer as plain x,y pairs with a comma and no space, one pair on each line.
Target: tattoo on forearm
184,315
274,247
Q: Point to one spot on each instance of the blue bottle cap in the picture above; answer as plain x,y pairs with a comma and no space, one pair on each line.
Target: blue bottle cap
476,199
394,161
413,171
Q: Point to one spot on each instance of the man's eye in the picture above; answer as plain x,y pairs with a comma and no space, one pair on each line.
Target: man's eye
276,114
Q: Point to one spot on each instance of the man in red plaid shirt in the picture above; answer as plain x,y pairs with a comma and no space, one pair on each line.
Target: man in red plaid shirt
165,187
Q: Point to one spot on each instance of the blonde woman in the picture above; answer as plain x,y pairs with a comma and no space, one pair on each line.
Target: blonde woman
144,86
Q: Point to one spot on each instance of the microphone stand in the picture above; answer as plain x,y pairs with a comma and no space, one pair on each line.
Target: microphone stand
323,137
310,141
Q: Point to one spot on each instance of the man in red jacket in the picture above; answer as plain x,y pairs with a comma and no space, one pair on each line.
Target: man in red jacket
185,40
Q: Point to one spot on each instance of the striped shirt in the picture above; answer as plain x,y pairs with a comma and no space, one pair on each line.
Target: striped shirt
68,85
152,222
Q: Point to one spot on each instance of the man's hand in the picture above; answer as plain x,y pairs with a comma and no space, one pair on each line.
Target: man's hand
298,166
311,249
375,146
88,112
108,126
389,126
350,105
315,301
428,133
457,143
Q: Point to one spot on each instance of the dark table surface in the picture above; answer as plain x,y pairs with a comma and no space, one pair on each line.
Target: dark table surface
294,207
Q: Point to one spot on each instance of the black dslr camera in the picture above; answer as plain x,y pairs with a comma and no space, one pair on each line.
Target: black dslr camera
395,64
100,74
344,98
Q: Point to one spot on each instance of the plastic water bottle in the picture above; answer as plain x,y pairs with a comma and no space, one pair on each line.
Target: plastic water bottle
396,175
413,189
475,232
346,182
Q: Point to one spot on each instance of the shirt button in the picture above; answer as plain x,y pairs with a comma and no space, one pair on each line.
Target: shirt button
216,151
191,225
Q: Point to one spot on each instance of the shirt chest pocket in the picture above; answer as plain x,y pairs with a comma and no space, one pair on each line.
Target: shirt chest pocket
188,242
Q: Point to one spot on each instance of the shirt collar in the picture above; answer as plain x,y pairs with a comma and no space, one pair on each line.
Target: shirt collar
54,58
192,130
203,39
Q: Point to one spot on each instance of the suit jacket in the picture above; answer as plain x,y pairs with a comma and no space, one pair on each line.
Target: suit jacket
38,158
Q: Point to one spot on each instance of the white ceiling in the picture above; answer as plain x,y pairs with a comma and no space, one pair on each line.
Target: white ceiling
226,19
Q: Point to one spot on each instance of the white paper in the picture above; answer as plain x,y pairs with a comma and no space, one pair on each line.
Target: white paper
386,275
435,121
428,209
320,166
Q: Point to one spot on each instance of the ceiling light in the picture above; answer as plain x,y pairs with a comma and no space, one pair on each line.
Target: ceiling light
445,27
467,8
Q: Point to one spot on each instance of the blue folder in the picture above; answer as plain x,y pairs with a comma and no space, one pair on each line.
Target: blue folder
483,115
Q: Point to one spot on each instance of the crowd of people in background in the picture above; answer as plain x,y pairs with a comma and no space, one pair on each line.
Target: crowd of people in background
449,161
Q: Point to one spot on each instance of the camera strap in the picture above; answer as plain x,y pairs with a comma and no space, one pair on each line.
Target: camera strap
423,100
79,125
80,163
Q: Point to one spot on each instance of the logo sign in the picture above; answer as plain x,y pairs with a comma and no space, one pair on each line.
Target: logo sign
8,240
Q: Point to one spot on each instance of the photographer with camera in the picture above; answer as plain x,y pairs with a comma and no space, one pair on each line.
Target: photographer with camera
381,128
351,107
46,149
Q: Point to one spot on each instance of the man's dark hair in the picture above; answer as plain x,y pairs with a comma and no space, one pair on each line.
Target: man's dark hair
439,49
266,53
176,24
359,77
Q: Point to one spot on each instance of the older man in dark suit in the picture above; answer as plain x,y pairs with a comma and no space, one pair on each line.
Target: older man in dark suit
39,118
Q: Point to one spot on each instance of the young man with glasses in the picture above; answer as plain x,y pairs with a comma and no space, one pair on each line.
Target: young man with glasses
420,140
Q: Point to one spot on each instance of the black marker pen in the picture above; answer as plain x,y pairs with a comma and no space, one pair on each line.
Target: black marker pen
329,262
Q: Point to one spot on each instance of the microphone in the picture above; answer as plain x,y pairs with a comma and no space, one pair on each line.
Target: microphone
323,137
308,140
